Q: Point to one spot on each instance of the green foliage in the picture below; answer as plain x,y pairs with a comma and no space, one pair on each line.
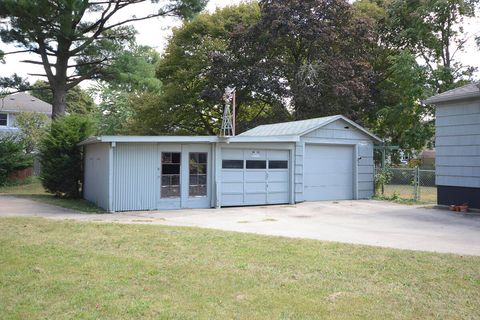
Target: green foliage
402,119
186,105
32,126
114,110
60,156
133,70
382,177
130,77
301,53
432,30
12,156
77,99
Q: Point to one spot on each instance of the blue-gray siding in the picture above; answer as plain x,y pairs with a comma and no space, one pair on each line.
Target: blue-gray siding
96,174
125,176
135,177
458,144
340,132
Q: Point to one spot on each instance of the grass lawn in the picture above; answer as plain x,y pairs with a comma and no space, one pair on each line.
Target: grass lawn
33,190
64,269
427,194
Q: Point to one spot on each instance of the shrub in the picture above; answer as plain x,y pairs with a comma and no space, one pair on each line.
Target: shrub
61,158
12,156
382,176
32,125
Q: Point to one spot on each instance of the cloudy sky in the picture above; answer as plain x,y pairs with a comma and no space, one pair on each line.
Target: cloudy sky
155,33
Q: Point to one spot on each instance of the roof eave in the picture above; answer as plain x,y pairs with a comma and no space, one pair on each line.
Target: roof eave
275,138
436,99
90,140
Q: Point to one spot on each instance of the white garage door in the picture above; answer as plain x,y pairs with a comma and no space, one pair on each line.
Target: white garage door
254,177
328,172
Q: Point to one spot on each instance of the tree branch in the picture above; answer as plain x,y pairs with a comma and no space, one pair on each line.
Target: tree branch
102,28
87,63
73,83
36,62
19,51
46,63
37,75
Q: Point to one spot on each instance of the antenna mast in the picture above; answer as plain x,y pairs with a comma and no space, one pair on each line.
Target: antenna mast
228,122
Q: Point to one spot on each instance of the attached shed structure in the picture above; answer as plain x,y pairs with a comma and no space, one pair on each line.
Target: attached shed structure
457,144
328,158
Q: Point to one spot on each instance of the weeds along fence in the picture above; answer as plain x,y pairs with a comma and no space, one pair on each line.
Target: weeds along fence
406,183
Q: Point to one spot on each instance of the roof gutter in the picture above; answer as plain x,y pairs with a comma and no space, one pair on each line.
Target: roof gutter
187,139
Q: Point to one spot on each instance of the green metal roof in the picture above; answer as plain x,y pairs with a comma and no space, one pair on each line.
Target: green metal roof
300,128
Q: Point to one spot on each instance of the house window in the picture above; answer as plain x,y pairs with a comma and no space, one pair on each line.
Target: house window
256,164
170,175
198,174
232,164
277,164
3,119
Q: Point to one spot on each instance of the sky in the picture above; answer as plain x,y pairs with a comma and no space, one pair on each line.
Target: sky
156,32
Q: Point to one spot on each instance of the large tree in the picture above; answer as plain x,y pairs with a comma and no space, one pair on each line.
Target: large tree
77,100
130,76
401,118
308,55
75,39
432,30
187,103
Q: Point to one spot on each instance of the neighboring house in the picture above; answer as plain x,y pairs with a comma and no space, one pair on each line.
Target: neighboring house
11,105
328,158
457,145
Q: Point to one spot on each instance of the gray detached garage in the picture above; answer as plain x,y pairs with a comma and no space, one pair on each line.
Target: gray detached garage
328,158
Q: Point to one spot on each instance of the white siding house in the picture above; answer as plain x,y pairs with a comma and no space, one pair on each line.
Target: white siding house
327,158
457,143
13,104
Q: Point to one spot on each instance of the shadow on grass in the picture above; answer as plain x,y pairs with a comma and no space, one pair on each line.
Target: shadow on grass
32,189
73,204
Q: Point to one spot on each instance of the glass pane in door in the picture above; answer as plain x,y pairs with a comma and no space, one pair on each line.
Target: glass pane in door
198,174
170,187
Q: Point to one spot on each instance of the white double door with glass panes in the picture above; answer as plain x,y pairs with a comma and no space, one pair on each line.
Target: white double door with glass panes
184,176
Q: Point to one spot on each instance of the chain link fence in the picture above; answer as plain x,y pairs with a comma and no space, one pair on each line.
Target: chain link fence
406,183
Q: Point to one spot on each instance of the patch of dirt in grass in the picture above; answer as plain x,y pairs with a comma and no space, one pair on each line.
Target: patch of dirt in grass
335,296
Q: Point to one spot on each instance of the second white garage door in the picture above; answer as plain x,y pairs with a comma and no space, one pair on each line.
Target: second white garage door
254,177
328,172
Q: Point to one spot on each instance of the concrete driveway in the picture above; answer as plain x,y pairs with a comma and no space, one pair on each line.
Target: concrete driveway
361,222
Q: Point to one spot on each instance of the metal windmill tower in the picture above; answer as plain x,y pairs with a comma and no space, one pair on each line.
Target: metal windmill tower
228,120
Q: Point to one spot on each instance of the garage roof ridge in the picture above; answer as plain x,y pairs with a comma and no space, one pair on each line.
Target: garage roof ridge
302,127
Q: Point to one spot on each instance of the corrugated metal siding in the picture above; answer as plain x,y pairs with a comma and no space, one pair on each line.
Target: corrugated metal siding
96,179
458,144
135,176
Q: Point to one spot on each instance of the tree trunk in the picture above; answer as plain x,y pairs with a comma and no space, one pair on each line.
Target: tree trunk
59,100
